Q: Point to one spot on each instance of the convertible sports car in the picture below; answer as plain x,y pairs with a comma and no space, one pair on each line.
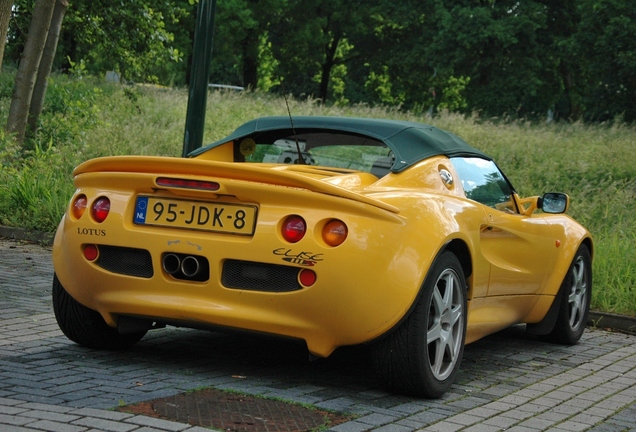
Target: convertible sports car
336,231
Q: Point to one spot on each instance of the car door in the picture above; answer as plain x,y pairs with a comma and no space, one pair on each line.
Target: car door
519,248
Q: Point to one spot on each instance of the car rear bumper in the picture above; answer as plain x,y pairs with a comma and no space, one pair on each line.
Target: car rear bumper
361,289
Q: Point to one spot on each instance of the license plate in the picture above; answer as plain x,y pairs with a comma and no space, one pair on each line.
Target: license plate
195,215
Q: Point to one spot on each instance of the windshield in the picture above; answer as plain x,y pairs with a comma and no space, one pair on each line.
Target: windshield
336,150
483,182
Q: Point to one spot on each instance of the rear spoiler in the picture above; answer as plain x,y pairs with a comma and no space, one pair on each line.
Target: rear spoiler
229,170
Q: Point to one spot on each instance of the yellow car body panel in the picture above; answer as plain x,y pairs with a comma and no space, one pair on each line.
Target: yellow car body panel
365,287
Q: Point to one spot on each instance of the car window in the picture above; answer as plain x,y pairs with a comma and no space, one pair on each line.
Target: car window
483,182
351,152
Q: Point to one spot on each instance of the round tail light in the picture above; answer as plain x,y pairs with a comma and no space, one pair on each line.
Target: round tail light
101,208
79,206
294,228
334,233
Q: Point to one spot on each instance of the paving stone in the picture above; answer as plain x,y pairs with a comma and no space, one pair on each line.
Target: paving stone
393,428
105,425
376,419
15,420
157,423
53,426
500,422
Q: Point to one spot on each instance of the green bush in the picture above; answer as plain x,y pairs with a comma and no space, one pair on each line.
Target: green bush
34,191
71,108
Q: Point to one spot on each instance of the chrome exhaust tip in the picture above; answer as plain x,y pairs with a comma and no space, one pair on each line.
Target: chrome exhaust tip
171,263
190,266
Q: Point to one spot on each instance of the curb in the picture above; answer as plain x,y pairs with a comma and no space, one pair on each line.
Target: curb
40,237
596,319
610,321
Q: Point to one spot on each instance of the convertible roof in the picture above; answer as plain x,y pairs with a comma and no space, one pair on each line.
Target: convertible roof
410,142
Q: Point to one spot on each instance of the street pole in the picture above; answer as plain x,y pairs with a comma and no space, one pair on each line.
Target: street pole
199,76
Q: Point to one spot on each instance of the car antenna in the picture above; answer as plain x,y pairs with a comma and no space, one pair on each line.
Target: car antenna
301,160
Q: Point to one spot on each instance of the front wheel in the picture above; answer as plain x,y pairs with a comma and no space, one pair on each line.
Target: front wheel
422,356
85,326
575,300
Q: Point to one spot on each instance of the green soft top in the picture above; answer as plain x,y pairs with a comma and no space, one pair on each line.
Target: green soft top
410,142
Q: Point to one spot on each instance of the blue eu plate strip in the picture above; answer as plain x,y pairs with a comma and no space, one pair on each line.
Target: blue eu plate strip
140,210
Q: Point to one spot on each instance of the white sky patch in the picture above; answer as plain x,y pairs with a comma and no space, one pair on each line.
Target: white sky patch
469,185
481,163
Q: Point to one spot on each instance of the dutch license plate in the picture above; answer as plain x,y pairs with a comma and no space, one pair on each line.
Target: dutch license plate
196,215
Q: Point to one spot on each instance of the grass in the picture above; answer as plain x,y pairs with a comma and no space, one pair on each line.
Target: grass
86,118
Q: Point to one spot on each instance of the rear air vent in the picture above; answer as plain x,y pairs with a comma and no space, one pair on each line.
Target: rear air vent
126,261
256,276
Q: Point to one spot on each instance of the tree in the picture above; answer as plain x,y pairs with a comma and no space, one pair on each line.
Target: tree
495,57
5,16
606,41
390,64
131,39
563,62
235,52
241,30
46,63
497,45
312,38
28,68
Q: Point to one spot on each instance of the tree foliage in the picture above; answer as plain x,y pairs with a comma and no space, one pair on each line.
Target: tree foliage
500,58
607,42
131,39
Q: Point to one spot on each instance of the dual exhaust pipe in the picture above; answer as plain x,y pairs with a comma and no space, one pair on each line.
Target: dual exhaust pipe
187,267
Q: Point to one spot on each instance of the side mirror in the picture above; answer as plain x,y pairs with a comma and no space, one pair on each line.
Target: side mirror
554,202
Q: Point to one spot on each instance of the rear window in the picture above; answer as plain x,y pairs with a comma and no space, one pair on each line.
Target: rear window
335,150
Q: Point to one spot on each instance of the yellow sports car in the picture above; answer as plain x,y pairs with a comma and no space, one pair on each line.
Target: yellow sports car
336,231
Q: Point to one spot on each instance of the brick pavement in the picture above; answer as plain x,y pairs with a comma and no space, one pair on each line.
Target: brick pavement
507,381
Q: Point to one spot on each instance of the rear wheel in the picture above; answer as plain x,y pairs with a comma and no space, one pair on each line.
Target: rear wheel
575,300
85,326
422,356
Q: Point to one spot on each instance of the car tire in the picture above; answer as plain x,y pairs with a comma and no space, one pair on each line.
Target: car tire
86,326
422,356
575,300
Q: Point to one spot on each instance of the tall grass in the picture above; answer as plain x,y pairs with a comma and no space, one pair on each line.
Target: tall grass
85,118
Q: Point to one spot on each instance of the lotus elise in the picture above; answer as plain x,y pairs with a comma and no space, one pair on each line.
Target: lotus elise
335,231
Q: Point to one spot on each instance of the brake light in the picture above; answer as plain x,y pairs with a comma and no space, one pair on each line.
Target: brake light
79,206
334,233
187,184
294,228
100,209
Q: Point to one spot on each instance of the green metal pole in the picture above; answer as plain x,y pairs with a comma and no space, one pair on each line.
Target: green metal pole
198,91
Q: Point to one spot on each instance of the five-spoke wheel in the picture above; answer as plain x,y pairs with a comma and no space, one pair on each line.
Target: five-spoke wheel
422,356
445,330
